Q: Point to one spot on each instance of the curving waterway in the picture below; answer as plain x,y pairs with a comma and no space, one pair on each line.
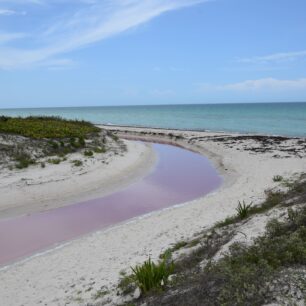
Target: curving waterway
179,176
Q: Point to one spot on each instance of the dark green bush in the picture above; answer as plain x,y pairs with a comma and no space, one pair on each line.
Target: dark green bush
88,153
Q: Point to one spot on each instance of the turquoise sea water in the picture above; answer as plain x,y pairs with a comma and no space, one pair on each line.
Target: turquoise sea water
263,118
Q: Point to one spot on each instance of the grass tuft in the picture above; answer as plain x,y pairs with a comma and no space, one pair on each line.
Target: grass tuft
277,178
150,276
243,210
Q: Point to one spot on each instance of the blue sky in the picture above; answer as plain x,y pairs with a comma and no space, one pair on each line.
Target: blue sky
122,52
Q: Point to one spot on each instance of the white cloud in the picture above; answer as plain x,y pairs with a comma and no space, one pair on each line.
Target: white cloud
92,22
7,37
5,12
260,85
58,64
276,57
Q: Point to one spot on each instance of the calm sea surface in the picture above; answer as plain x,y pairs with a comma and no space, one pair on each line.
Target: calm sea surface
263,118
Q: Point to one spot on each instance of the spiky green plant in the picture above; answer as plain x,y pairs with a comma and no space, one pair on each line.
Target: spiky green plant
243,209
277,178
150,276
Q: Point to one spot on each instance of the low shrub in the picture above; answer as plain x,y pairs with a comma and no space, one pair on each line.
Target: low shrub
114,137
54,161
99,150
88,153
47,127
77,163
23,160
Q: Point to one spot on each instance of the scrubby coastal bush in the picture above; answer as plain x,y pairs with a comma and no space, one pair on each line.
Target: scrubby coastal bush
47,127
23,160
272,199
77,163
271,269
54,161
88,153
38,140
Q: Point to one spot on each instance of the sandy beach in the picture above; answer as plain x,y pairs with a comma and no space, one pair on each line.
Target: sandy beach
72,273
36,189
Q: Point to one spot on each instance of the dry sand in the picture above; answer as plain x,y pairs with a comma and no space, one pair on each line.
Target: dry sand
37,189
74,272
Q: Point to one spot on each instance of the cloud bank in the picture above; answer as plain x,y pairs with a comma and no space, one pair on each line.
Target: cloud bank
273,58
259,85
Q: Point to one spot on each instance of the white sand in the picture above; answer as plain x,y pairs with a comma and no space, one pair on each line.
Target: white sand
38,189
73,273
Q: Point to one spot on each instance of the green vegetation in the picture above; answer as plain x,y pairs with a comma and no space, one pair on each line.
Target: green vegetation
101,293
255,274
277,178
127,283
54,161
88,153
47,127
179,245
246,270
77,163
99,149
77,142
272,199
150,276
49,139
23,160
243,210
114,137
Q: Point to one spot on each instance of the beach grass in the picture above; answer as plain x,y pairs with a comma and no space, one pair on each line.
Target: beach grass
150,275
248,274
243,209
277,178
47,127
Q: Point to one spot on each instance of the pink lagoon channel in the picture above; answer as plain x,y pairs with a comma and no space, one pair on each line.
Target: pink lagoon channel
179,176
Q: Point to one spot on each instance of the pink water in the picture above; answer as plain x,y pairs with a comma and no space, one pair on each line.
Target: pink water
179,176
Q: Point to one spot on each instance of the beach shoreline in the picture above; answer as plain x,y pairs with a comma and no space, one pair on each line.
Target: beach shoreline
94,261
37,189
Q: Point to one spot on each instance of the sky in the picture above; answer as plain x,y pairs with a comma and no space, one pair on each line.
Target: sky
126,52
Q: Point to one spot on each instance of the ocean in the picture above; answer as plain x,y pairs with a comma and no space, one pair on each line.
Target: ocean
288,119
